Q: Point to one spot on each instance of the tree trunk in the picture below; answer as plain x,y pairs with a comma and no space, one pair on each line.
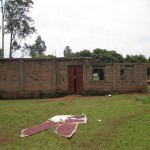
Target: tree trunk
2,8
10,49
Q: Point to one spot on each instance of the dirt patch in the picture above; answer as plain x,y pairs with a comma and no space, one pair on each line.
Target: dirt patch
68,98
75,97
6,139
5,100
139,94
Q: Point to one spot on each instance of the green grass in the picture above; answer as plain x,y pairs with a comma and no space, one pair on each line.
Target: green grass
95,77
124,125
144,100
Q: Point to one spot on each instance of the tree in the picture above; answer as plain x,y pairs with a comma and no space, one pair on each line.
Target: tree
135,59
68,52
18,23
107,56
149,60
84,53
2,11
36,50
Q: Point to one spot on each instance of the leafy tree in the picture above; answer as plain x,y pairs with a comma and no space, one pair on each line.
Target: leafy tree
107,56
68,52
36,50
84,53
136,59
49,56
2,29
18,24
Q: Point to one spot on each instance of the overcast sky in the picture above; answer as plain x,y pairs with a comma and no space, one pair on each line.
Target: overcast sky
121,25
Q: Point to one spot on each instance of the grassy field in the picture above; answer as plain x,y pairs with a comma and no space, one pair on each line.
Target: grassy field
124,124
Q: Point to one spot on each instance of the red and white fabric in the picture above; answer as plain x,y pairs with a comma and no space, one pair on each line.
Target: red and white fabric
66,125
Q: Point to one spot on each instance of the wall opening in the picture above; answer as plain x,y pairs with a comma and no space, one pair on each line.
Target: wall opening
98,73
127,72
122,74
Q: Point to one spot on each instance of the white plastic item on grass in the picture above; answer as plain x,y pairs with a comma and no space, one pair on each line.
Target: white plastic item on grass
78,119
60,118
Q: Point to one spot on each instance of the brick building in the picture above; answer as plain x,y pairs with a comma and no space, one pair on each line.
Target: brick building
26,78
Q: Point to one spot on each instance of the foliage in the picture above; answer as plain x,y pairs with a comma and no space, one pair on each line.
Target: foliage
107,56
145,100
18,24
68,52
48,56
148,60
136,59
84,53
124,123
36,50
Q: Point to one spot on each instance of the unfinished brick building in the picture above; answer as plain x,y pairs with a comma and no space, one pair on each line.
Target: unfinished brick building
26,78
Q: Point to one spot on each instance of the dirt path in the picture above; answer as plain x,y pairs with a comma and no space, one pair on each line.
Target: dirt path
65,98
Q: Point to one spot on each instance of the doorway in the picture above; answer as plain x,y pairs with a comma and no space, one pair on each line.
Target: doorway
75,79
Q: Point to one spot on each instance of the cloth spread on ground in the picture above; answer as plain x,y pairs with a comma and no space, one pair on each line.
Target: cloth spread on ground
38,128
66,125
66,129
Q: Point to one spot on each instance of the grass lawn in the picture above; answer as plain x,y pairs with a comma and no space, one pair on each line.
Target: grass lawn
124,125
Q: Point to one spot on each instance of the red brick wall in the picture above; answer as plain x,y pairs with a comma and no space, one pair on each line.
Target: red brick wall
9,76
24,78
37,76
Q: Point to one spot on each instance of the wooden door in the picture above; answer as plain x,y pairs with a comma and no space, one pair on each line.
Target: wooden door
75,79
79,79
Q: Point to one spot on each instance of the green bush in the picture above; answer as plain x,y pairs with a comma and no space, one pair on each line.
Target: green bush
146,100
143,100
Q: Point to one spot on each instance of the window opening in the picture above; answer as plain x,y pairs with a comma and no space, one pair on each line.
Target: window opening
122,74
98,73
127,72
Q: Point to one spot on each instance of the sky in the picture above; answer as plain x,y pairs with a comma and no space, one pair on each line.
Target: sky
120,25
